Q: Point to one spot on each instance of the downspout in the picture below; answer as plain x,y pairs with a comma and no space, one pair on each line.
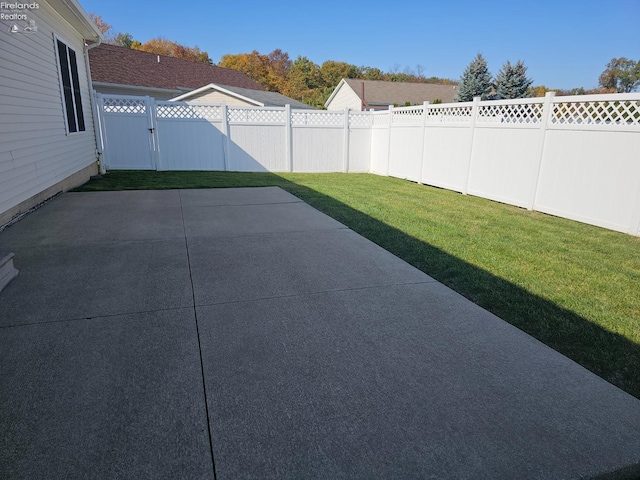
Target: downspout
364,105
94,112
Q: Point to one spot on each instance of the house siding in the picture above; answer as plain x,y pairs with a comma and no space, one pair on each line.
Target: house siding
36,154
218,97
345,98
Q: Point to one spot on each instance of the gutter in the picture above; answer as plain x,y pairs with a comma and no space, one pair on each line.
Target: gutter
122,86
97,130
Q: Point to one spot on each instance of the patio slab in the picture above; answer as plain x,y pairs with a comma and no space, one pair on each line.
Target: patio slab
114,397
99,217
148,329
92,280
292,263
238,220
407,381
236,196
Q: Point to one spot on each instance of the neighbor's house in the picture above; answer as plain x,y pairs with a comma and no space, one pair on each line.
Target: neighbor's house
47,139
238,97
378,95
123,71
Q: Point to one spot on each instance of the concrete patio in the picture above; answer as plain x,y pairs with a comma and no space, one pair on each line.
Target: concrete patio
240,333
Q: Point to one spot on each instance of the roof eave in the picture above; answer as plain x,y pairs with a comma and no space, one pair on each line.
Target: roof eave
213,86
335,91
73,13
134,87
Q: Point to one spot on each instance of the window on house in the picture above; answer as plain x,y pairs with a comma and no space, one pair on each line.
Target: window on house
70,85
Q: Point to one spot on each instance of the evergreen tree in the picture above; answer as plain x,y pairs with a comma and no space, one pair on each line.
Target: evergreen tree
475,81
512,81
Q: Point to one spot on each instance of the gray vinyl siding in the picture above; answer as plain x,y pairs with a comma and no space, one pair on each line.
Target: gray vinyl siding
35,151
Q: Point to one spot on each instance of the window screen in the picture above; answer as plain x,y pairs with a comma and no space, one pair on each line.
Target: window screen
70,88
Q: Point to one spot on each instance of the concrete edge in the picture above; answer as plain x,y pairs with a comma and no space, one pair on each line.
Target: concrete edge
68,183
7,271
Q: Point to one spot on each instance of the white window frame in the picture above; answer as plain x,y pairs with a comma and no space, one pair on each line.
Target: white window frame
57,39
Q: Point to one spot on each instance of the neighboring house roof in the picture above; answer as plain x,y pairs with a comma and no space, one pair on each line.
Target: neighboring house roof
382,94
257,97
124,66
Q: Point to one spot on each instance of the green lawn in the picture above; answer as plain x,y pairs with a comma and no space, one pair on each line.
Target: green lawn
573,286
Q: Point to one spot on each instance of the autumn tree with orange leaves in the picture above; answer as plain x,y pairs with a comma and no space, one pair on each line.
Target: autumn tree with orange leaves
271,71
162,46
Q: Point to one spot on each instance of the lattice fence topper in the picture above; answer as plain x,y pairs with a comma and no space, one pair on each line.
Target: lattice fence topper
317,118
450,115
360,119
255,115
124,105
380,119
411,116
189,112
626,112
525,113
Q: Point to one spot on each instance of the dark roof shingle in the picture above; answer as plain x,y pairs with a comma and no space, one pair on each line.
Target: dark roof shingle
124,66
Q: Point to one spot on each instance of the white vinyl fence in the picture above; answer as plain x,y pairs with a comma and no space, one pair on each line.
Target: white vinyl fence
141,133
575,157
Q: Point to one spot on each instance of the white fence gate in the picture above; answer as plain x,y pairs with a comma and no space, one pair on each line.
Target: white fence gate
575,157
127,132
190,137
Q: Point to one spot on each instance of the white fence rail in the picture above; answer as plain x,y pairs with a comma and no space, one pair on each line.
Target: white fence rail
575,157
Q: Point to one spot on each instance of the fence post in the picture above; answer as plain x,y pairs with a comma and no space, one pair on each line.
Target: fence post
226,152
288,146
474,114
547,111
425,107
345,143
634,227
371,124
100,133
155,149
390,114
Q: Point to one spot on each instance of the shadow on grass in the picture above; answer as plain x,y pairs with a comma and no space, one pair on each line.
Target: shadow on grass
609,355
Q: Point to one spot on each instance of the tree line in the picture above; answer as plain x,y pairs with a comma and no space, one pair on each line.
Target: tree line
621,75
159,45
306,81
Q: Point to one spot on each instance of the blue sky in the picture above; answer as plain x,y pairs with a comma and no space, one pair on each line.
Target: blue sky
564,43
